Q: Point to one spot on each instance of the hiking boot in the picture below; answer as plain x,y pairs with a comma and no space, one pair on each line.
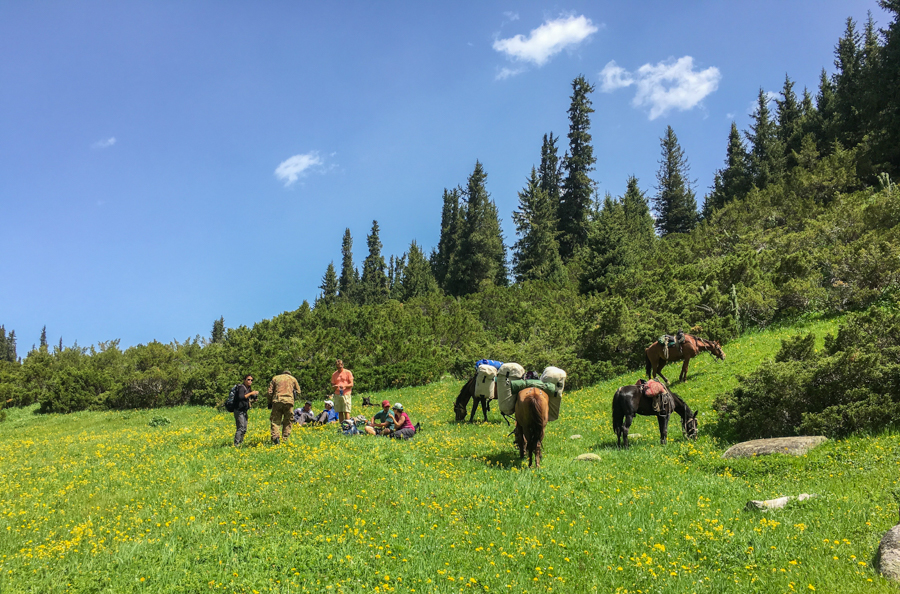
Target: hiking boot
418,427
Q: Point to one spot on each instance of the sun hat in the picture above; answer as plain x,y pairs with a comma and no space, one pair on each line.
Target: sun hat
385,403
398,406
329,403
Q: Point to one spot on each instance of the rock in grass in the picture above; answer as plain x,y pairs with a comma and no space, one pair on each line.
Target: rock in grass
588,457
795,446
887,559
576,436
777,503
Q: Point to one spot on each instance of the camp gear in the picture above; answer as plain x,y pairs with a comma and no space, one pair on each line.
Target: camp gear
519,385
491,362
484,381
507,373
556,376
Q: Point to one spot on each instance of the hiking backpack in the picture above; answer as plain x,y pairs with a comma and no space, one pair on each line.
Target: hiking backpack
229,402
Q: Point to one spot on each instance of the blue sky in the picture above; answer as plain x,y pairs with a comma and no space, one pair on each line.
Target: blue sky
166,163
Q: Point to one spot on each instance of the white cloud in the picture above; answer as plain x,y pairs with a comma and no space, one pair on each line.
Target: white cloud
664,86
511,16
508,72
290,170
547,40
105,143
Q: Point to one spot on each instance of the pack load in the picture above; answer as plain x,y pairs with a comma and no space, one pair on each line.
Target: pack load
508,373
491,362
232,394
519,385
484,381
557,377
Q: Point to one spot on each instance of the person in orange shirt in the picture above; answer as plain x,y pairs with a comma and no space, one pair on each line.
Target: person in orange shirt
342,380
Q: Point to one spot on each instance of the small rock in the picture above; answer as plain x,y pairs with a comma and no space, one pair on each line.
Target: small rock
795,446
634,436
887,559
588,457
576,436
777,503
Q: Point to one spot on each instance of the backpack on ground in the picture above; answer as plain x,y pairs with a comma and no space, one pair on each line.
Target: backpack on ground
229,402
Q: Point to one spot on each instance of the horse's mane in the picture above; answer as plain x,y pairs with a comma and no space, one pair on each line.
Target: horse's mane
680,402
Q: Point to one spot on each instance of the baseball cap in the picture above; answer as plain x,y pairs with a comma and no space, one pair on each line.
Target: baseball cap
329,403
398,406
385,403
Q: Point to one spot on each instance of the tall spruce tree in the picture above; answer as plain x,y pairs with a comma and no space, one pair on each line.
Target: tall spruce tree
536,254
415,277
218,331
373,287
480,256
788,117
848,92
550,171
349,278
11,347
44,345
674,203
329,285
578,187
3,344
886,94
766,154
824,123
734,180
451,221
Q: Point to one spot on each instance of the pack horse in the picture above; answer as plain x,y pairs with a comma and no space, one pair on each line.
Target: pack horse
658,354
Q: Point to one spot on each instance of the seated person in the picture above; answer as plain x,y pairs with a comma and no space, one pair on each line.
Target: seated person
304,415
382,422
329,415
403,427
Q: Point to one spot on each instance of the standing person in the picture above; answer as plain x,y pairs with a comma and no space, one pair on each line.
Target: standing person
382,422
342,380
242,399
282,390
403,427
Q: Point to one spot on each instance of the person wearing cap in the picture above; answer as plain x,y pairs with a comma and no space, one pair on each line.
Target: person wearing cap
342,381
328,415
403,427
304,415
382,422
282,390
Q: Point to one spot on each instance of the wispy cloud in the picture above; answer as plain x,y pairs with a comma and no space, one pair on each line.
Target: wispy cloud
547,40
508,72
104,143
511,15
292,169
662,87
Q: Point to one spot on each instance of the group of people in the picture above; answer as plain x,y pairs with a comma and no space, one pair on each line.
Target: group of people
391,421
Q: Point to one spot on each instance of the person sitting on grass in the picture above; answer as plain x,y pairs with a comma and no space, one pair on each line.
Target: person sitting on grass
382,422
403,427
304,415
329,415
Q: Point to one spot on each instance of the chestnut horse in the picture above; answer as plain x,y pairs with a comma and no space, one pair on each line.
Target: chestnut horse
532,409
628,401
656,358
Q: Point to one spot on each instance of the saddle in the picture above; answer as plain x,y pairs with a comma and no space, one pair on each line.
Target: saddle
667,340
663,404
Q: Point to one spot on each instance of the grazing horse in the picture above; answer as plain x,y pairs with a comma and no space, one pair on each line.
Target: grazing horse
656,356
532,410
629,401
462,401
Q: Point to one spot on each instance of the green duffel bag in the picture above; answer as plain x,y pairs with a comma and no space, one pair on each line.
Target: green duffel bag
519,385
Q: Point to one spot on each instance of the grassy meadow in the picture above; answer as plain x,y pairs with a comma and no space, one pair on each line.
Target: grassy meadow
126,502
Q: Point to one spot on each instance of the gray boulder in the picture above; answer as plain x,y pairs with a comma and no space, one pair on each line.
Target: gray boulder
795,446
887,559
588,458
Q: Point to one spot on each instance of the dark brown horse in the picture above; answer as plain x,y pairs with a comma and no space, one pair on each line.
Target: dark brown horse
532,409
462,401
657,355
628,401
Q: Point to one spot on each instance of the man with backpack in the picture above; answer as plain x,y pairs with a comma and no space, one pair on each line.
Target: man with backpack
242,399
282,390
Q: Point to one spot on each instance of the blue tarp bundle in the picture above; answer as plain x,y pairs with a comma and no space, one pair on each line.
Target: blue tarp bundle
490,362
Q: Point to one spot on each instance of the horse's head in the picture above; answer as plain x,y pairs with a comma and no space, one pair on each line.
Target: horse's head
716,349
460,412
689,426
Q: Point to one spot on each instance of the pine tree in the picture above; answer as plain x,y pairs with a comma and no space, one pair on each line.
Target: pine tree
415,277
639,222
550,172
451,220
536,254
11,347
329,285
373,287
578,187
218,331
886,94
674,203
848,62
788,130
349,278
44,346
824,122
766,154
734,180
480,256
3,344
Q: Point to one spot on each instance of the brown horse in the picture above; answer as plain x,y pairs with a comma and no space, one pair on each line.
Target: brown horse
532,409
628,401
655,355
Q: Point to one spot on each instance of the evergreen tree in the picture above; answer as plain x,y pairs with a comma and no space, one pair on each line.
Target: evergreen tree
766,155
788,114
734,180
44,346
415,277
550,172
886,94
451,217
218,331
847,92
373,287
639,222
3,344
824,122
349,278
329,285
11,347
480,256
675,204
578,187
536,254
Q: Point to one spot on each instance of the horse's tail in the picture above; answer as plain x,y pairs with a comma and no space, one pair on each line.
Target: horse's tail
617,419
534,431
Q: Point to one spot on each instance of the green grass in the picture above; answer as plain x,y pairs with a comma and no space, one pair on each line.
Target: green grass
105,502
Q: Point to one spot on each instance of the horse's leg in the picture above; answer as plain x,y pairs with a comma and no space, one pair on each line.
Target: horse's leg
484,408
474,408
520,441
659,372
684,368
625,427
663,428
